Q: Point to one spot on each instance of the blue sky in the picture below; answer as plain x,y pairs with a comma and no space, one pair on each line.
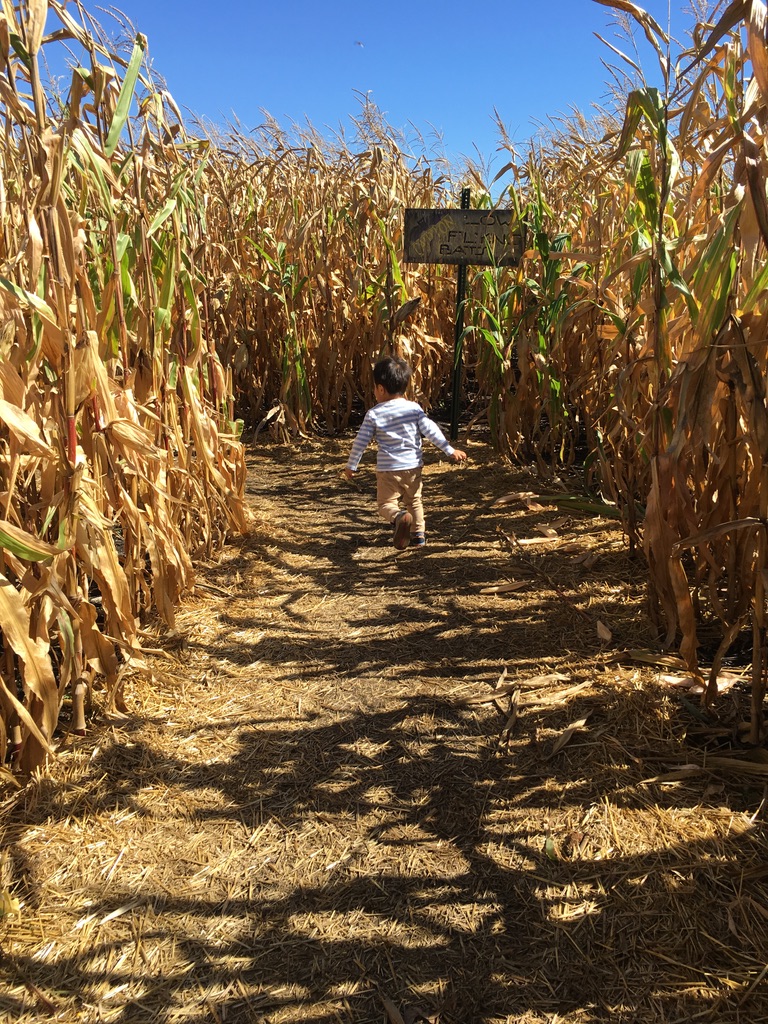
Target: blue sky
436,69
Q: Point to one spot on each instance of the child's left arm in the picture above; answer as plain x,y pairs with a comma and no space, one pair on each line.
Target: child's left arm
433,433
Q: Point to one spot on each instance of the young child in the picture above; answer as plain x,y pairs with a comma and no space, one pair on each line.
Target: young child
397,426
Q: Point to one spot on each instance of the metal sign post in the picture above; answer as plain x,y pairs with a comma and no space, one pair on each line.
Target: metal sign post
458,342
461,237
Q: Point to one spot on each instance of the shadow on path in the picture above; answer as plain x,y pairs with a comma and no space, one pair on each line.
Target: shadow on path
311,817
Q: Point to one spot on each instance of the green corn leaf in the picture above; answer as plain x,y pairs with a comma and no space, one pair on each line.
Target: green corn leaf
641,175
178,181
129,291
160,218
82,149
163,308
730,86
20,50
632,116
673,164
125,98
673,275
643,104
711,264
30,301
713,310
395,262
639,280
25,545
194,323
756,290
123,241
67,632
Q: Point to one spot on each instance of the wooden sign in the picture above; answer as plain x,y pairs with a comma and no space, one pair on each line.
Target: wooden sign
481,237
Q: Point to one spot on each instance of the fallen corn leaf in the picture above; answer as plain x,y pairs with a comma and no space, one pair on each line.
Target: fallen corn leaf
394,1015
533,506
547,531
567,734
546,679
649,658
8,904
504,588
685,771
603,632
507,499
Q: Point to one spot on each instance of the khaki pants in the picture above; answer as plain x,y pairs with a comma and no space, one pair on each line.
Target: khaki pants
405,484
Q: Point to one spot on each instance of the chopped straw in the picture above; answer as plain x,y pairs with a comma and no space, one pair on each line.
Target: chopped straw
309,815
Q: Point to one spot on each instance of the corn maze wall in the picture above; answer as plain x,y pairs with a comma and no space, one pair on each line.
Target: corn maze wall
161,284
118,457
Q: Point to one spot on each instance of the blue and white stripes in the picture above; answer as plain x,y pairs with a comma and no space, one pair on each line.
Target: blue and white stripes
397,426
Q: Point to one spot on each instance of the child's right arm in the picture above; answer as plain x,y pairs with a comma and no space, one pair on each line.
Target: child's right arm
361,442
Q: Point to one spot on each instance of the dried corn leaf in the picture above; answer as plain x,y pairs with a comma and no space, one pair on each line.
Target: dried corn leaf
547,531
652,658
505,588
35,27
12,388
533,505
682,682
567,734
743,764
33,654
558,696
9,904
24,429
685,771
26,718
603,631
507,499
530,541
393,1014
544,680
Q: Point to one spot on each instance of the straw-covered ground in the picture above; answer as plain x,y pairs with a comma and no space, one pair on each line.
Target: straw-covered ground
362,786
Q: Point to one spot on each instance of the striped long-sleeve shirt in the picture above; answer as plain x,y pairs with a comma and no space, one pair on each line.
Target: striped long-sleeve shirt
397,427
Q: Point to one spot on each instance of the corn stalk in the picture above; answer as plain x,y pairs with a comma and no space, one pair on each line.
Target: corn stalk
117,457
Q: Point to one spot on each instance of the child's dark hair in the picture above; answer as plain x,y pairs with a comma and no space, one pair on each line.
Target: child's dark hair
392,374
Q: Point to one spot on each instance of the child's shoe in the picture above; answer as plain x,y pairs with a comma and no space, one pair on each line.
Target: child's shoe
418,540
402,524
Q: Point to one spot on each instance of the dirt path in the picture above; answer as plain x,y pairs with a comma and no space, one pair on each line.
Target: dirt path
311,816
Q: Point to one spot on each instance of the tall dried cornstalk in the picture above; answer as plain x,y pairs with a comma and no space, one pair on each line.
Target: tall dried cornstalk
635,327
310,287
117,454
